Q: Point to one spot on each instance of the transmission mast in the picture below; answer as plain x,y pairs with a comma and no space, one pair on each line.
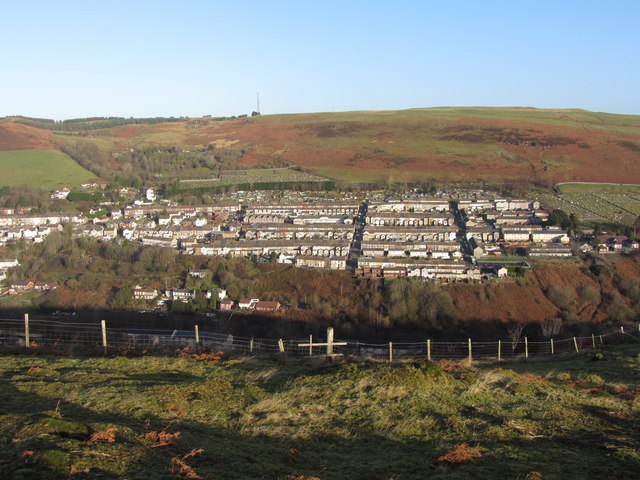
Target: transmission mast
258,102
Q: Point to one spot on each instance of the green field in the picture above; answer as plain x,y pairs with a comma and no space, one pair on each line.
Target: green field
255,176
251,418
380,175
46,169
598,188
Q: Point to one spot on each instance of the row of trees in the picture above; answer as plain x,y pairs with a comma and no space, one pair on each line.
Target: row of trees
94,123
135,167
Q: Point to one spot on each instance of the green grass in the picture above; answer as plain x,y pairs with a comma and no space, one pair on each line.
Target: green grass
598,188
47,169
260,418
254,176
377,175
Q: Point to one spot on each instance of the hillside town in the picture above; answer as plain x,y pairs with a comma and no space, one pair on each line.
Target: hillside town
460,236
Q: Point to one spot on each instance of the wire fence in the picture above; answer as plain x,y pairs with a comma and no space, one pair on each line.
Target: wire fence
40,333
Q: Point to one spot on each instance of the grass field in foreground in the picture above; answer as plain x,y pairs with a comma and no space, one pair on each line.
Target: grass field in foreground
46,169
265,419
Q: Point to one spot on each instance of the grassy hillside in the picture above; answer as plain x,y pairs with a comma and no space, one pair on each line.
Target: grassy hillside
249,418
491,144
48,169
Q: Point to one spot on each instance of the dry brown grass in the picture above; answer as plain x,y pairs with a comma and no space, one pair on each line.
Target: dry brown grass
162,439
448,365
213,357
105,436
534,476
79,469
175,410
460,453
531,379
180,467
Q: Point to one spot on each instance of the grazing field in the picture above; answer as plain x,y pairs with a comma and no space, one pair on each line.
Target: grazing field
201,416
47,169
253,177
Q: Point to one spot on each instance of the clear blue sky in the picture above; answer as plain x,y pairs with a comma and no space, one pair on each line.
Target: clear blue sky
64,59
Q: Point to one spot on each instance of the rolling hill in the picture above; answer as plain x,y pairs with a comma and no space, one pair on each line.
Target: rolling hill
545,146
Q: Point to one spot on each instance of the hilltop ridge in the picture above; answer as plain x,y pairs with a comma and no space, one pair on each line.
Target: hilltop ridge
443,143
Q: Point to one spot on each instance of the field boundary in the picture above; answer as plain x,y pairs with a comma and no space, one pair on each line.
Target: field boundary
30,334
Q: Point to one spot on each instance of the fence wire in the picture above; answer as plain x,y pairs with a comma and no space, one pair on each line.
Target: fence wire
14,333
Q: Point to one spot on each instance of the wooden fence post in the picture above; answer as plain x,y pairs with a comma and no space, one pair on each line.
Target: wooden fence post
390,352
429,349
552,350
601,339
281,345
197,336
593,340
499,350
310,345
526,347
470,357
329,341
27,335
622,329
251,345
575,344
104,334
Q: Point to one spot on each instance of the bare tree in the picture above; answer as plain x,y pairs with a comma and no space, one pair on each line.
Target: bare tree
551,327
515,333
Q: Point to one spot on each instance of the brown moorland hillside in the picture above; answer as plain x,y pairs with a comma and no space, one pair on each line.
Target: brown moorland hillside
15,136
546,146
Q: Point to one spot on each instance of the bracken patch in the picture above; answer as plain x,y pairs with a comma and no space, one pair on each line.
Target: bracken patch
460,453
105,436
213,357
534,476
161,439
180,467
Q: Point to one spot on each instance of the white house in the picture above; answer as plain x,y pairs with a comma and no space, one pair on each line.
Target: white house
61,194
246,303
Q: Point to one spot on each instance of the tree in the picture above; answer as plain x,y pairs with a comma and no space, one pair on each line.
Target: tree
515,331
122,298
551,327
